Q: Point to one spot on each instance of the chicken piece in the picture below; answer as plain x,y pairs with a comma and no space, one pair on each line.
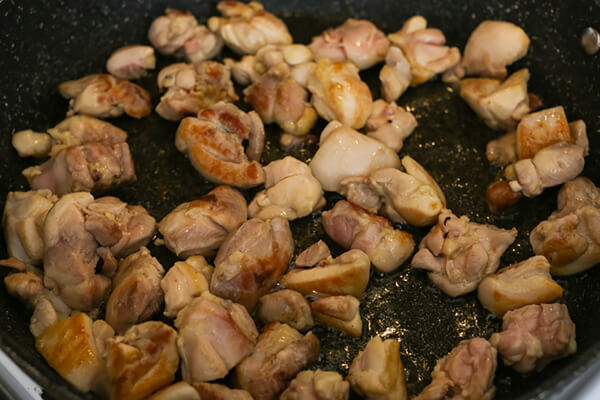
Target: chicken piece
390,124
395,75
502,151
527,282
44,316
352,227
23,221
246,28
339,94
291,191
215,391
317,385
343,152
425,49
92,167
579,135
245,71
339,312
377,371
131,62
26,286
183,282
281,352
534,335
467,372
213,142
458,253
541,129
200,226
347,274
500,196
214,336
104,96
313,255
357,40
289,142
493,46
251,260
141,361
177,391
28,143
285,306
499,104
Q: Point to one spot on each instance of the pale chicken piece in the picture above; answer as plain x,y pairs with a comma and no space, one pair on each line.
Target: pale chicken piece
352,227
534,335
541,129
200,226
390,124
357,40
343,153
29,143
527,282
458,253
395,75
281,352
313,255
502,151
246,28
131,62
339,94
579,135
183,282
499,104
285,306
245,71
105,96
339,312
492,46
251,260
141,361
291,191
317,385
43,317
23,222
213,142
467,372
177,391
377,371
214,336
215,391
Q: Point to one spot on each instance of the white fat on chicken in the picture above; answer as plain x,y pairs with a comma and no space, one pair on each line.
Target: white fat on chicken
285,306
317,385
183,282
395,75
339,312
131,62
390,124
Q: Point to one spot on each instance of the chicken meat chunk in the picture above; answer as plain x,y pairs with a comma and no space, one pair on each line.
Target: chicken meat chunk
317,385
395,75
285,306
131,62
339,312
216,391
390,124
177,391
502,151
313,255
183,282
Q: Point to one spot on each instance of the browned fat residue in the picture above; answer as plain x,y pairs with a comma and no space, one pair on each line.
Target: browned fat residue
213,70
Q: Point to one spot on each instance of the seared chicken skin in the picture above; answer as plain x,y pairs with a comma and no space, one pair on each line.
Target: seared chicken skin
317,385
390,124
285,306
131,62
183,282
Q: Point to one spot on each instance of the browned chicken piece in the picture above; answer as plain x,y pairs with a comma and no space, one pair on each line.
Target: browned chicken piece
500,196
390,124
317,385
215,391
540,130
44,316
527,282
467,372
251,260
534,335
502,151
458,253
141,361
200,226
191,88
281,352
177,391
395,75
285,306
339,312
246,28
347,274
352,227
214,336
27,286
104,96
183,282
377,371
213,142
131,62
313,255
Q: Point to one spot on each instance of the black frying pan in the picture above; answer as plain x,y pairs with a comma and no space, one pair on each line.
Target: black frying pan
45,43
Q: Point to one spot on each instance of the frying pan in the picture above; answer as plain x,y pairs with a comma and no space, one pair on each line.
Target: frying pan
45,43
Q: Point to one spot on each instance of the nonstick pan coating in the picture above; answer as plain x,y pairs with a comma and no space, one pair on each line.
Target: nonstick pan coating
45,43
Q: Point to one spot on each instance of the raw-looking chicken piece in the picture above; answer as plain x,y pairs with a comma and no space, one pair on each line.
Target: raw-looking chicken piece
357,40
339,312
213,142
279,98
141,361
291,191
104,96
390,124
177,391
527,282
285,306
395,75
458,253
493,46
246,28
136,294
23,222
193,87
281,352
313,255
534,335
352,227
343,152
216,391
467,372
347,274
214,336
251,260
425,49
377,371
183,282
570,237
200,226
317,385
339,94
178,33
131,62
